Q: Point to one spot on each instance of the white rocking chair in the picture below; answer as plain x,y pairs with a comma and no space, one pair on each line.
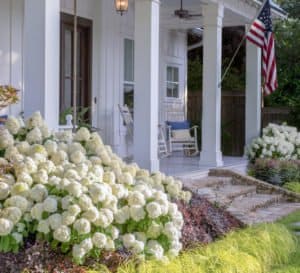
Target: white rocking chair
182,139
128,121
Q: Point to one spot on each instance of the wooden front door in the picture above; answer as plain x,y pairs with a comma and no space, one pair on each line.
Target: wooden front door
84,56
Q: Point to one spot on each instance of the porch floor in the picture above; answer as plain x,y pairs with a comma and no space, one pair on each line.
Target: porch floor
183,166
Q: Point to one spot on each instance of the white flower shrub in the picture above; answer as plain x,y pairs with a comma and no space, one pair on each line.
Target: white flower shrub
277,141
75,192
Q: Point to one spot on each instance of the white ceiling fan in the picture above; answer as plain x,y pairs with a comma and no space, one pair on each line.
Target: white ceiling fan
184,13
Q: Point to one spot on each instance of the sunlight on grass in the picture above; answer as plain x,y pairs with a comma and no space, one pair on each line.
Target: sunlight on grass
253,250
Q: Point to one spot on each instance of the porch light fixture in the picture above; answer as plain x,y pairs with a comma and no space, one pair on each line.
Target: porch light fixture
121,6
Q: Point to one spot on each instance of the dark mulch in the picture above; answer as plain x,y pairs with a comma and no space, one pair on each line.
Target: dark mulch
204,222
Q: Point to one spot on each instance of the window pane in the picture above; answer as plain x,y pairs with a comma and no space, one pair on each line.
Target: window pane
172,82
128,60
169,74
176,74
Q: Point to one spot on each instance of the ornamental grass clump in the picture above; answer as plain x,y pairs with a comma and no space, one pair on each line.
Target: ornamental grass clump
73,191
253,250
277,142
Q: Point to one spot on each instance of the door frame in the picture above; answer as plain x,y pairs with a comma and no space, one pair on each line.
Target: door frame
88,24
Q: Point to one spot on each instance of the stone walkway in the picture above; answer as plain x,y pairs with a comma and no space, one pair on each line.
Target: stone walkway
246,202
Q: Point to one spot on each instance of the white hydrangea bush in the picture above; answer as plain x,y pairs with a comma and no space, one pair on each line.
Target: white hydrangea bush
277,141
73,191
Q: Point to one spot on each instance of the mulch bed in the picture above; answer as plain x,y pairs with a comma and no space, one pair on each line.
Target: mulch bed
204,222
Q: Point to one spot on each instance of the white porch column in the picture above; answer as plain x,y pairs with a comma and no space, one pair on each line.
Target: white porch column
211,154
146,83
41,59
253,92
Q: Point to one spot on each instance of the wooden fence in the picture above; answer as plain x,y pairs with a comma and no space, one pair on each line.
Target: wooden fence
233,118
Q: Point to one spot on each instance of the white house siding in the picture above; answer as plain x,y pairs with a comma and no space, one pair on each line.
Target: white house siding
11,44
173,46
109,31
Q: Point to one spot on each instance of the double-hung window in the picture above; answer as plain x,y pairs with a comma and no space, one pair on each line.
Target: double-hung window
172,82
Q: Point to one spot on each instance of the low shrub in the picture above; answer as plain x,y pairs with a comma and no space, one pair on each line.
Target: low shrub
293,186
277,172
253,250
74,192
277,142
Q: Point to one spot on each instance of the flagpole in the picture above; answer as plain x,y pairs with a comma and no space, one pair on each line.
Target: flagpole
240,44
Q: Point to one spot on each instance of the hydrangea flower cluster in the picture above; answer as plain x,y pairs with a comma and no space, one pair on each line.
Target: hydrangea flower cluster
76,193
277,141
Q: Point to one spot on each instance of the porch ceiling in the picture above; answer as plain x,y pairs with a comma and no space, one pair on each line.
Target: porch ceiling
236,12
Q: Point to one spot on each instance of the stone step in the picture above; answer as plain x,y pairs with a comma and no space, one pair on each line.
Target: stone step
243,205
226,193
271,213
195,184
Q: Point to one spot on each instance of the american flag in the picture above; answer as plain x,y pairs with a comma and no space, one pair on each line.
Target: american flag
261,34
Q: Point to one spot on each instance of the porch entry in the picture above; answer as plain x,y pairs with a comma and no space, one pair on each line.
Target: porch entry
84,67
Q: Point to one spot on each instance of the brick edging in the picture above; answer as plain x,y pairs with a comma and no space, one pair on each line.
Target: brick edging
261,185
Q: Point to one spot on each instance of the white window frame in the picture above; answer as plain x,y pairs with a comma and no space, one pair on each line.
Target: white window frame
172,98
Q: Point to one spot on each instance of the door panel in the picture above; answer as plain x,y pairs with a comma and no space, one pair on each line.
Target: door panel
83,62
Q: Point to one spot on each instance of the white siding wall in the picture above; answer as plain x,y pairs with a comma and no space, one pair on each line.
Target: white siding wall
109,31
11,44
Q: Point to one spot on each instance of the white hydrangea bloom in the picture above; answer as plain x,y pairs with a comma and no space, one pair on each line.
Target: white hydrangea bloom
13,214
77,157
74,189
137,213
110,245
55,221
154,230
137,247
128,240
50,204
85,202
87,244
82,226
17,201
171,231
78,252
6,226
99,240
34,136
35,120
136,198
91,214
41,176
62,234
74,209
109,178
8,179
23,147
122,215
6,139
83,134
154,248
154,210
38,193
43,226
20,188
67,218
4,190
25,177
13,125
37,211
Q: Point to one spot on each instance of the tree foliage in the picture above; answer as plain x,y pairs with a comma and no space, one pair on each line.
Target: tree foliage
287,34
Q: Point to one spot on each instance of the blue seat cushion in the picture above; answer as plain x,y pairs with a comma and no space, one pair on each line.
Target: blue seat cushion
178,125
3,119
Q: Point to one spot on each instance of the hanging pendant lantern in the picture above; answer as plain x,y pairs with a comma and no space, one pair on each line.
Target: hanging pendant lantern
121,6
